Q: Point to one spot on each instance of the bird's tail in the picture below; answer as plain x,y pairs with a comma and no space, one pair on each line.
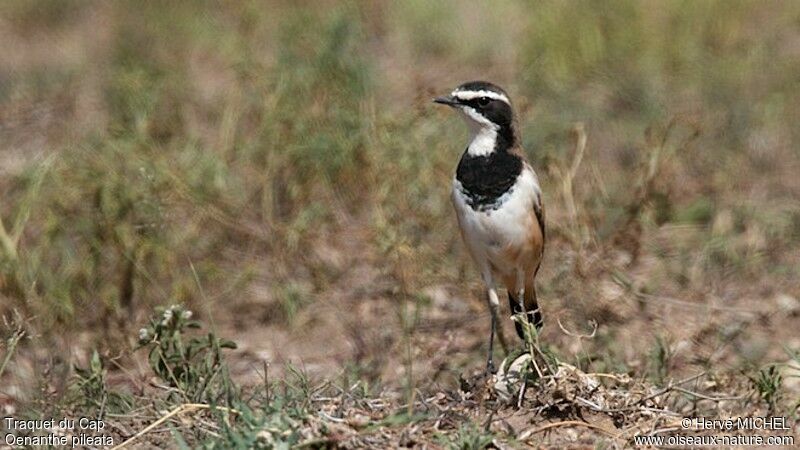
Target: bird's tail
532,311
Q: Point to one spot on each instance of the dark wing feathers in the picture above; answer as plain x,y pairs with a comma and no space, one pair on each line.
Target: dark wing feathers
539,211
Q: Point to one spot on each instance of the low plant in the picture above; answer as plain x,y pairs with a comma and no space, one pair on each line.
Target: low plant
90,389
193,366
660,360
468,437
767,383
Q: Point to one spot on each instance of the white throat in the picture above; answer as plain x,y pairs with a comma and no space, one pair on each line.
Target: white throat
482,133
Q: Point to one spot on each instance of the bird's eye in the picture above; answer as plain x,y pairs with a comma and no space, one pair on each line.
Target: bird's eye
483,101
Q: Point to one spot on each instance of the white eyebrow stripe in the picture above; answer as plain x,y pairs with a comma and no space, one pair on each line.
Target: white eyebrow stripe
469,95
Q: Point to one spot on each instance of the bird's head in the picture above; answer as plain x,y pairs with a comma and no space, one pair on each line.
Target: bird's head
483,106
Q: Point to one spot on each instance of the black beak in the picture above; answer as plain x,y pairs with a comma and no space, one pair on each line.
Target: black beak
448,100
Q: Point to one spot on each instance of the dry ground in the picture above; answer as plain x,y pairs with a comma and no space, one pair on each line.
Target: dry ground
278,169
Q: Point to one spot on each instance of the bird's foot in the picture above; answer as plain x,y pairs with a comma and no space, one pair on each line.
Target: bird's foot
490,369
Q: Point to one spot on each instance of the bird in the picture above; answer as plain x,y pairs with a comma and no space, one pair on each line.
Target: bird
498,203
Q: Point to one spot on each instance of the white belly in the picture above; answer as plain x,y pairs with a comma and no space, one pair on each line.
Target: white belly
489,233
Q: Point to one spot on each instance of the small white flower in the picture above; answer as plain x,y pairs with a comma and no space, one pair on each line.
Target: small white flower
143,334
187,314
167,315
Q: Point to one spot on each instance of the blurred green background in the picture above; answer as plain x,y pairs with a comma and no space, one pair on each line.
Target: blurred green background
242,157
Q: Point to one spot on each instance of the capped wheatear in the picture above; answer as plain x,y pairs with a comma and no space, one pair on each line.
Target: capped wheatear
498,202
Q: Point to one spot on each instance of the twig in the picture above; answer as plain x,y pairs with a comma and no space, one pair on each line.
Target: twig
659,393
661,299
522,391
578,335
329,417
590,403
613,376
567,423
663,430
569,176
12,342
7,243
177,410
706,397
578,235
266,383
665,412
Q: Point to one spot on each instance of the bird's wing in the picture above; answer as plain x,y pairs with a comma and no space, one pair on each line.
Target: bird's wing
538,209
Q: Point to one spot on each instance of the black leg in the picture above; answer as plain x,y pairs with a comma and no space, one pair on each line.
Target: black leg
489,360
534,316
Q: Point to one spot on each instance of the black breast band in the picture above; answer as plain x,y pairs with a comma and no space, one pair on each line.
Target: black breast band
486,178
